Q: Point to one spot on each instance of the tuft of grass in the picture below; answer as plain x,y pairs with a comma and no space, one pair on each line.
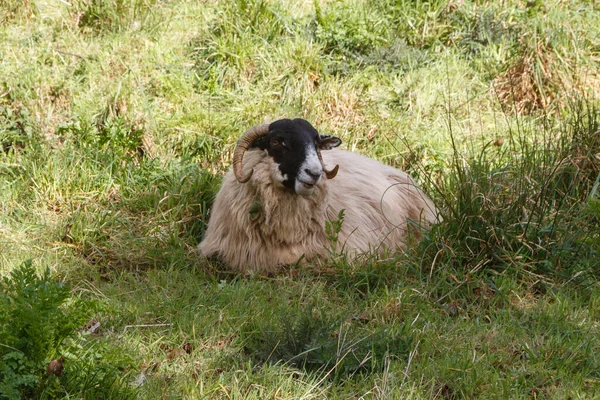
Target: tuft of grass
12,10
314,339
522,212
233,44
98,16
347,30
543,67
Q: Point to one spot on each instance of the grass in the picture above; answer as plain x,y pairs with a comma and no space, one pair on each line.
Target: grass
117,121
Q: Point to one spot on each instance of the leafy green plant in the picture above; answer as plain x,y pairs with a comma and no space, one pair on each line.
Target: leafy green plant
332,230
115,133
39,335
17,130
33,325
120,136
346,30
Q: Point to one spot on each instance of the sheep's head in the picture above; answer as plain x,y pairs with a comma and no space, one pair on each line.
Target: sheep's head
295,147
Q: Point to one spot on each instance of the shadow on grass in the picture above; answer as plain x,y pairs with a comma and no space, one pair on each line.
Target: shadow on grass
330,343
153,219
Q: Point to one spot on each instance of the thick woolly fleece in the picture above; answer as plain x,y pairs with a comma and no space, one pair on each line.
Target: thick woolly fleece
258,227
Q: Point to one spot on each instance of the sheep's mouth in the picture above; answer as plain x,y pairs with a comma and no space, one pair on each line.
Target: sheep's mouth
307,185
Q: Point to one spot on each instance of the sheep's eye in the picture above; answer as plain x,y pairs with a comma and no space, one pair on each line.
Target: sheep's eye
278,143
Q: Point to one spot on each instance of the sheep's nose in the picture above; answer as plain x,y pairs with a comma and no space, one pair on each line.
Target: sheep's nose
313,174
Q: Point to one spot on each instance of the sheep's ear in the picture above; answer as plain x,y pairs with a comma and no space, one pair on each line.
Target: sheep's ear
328,142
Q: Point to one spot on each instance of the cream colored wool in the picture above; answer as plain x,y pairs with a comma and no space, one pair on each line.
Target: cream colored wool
377,200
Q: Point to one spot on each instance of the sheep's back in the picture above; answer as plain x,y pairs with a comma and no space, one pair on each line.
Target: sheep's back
379,201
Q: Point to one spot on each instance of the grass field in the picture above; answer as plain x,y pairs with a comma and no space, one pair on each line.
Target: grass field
117,122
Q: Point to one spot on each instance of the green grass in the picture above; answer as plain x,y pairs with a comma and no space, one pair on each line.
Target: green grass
117,121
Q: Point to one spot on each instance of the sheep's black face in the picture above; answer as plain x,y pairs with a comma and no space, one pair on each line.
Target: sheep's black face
293,146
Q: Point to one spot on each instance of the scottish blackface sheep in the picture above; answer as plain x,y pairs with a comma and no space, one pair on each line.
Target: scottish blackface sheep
273,206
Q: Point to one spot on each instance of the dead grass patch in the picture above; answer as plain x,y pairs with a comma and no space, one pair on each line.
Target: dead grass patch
541,79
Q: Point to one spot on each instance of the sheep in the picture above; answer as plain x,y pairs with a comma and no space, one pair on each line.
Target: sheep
272,207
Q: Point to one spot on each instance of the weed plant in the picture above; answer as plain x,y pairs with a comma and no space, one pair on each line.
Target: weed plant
313,340
45,350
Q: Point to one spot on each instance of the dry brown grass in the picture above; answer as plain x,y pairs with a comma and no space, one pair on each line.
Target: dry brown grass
541,79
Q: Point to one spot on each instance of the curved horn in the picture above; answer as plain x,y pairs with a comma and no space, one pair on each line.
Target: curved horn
329,174
242,145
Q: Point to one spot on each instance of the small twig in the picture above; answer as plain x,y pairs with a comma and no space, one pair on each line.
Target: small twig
411,355
273,351
433,263
10,347
69,54
452,291
574,277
